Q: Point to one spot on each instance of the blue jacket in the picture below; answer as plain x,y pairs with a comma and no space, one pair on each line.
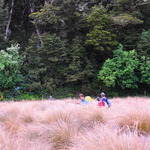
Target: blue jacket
104,99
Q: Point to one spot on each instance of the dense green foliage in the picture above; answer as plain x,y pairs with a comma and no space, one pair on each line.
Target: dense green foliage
101,35
143,50
46,62
10,74
65,43
120,71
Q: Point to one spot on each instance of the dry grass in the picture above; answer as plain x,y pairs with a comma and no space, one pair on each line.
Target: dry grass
103,137
134,113
63,124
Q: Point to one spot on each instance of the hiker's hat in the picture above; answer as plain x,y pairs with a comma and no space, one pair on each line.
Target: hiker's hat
102,94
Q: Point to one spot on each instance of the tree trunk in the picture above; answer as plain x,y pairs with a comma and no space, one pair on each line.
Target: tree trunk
7,31
36,27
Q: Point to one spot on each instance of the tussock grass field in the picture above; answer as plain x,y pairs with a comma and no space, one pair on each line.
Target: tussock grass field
66,125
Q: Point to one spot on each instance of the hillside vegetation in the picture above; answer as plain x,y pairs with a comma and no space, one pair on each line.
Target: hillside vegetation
66,125
65,47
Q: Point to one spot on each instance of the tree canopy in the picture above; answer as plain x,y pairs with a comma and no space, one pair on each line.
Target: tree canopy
120,71
64,44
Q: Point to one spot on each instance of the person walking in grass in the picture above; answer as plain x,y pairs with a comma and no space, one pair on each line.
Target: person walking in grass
103,100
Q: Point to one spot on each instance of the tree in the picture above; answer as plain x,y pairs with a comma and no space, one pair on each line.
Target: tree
19,27
129,18
101,34
127,12
9,19
61,17
120,71
143,50
80,67
145,71
10,74
144,44
47,63
3,24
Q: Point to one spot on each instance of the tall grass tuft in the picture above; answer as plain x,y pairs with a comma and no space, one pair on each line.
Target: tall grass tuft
107,138
132,113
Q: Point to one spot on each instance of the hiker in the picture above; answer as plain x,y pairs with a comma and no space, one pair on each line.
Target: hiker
51,98
103,100
88,99
82,98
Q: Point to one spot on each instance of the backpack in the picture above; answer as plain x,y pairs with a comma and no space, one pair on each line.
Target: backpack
101,103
